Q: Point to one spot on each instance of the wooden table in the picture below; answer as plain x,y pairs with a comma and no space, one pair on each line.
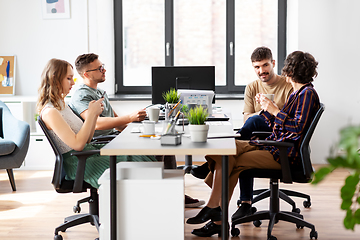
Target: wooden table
128,143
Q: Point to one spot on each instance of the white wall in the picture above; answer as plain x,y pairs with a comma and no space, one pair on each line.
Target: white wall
35,40
330,31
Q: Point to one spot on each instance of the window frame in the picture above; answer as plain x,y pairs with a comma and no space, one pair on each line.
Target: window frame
230,87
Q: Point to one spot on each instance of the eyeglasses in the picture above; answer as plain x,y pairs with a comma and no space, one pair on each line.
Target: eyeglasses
101,69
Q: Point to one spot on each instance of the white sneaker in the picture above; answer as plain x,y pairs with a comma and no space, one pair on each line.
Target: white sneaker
193,203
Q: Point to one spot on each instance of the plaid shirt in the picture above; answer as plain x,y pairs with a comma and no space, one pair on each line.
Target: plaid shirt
292,122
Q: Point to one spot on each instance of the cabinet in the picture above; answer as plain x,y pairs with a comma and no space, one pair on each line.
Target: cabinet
40,155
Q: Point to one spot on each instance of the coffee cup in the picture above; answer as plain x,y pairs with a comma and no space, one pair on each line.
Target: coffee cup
153,113
270,96
149,127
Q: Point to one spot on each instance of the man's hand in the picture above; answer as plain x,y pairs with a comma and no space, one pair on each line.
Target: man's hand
138,116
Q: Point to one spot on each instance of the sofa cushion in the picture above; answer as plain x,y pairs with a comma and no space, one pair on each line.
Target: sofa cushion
6,147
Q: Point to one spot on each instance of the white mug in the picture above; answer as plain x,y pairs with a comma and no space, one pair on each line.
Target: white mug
149,127
153,113
270,96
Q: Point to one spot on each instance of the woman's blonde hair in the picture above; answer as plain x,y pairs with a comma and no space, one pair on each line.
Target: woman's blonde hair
50,89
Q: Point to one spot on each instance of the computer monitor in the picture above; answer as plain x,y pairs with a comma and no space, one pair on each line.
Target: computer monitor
189,77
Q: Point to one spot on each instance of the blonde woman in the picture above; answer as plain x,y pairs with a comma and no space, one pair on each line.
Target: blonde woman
68,130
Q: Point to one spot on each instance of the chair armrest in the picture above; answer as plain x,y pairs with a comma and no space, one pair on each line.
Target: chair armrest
80,171
107,138
261,134
285,166
99,142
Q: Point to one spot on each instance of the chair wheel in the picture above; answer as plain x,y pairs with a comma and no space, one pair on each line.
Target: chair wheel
298,226
58,237
313,234
296,210
76,209
235,232
257,223
272,238
306,204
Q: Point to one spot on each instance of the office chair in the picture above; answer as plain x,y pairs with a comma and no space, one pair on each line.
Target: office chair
14,142
78,185
285,175
284,194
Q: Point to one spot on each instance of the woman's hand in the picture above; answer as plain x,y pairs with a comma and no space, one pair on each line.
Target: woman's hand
257,97
267,104
96,107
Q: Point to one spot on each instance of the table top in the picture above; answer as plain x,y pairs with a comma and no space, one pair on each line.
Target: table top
128,143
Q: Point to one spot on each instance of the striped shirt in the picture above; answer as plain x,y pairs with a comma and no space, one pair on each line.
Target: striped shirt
292,122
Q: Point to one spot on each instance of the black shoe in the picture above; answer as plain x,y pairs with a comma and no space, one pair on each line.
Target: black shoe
242,211
201,171
208,230
206,214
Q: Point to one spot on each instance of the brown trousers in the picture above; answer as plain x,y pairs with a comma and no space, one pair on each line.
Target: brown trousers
247,157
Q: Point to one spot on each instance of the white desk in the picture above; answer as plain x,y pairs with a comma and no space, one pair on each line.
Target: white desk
128,143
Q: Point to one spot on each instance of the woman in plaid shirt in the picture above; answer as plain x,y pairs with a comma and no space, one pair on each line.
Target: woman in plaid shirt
289,124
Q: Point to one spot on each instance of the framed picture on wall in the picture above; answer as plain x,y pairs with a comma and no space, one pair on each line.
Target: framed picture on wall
7,75
55,9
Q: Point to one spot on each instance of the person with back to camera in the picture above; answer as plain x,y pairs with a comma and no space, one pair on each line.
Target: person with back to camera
288,124
67,129
268,82
92,70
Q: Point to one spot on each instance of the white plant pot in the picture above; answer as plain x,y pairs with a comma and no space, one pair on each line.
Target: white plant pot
198,133
37,127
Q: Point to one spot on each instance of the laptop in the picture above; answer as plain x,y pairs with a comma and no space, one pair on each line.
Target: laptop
218,117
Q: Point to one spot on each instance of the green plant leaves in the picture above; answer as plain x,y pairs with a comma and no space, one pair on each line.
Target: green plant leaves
321,174
348,157
171,96
357,216
349,221
197,115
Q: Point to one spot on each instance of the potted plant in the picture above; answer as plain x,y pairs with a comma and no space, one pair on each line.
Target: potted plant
198,129
348,157
37,126
171,98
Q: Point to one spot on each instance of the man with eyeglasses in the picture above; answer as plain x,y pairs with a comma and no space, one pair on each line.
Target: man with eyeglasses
92,70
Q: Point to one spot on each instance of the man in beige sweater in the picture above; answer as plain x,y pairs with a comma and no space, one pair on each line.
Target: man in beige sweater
267,83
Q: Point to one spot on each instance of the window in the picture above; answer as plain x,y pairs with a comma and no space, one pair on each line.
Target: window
143,40
255,25
220,33
200,35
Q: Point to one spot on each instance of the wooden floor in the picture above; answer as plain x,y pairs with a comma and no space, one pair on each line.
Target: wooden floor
35,209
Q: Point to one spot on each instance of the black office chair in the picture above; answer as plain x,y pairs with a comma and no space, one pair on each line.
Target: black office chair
78,185
285,175
284,194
